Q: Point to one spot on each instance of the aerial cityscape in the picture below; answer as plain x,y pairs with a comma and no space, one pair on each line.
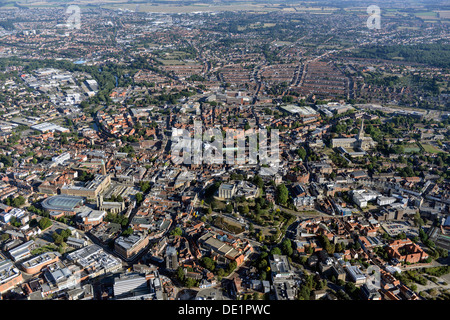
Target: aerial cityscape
225,150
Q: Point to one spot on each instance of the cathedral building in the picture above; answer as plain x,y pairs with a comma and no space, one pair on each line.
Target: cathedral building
360,142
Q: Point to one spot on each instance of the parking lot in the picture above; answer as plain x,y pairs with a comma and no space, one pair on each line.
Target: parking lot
393,228
45,238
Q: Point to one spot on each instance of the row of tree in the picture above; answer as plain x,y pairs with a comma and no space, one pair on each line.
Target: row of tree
434,54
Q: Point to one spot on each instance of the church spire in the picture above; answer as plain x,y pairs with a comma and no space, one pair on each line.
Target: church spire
361,131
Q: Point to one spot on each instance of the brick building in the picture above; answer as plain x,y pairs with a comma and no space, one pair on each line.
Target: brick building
406,251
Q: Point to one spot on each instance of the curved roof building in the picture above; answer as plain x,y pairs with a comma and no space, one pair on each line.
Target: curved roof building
62,203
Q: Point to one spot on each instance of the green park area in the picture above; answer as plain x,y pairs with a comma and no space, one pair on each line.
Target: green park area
411,148
430,148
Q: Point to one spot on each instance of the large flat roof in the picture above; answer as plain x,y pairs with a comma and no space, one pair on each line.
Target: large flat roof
62,202
48,126
303,110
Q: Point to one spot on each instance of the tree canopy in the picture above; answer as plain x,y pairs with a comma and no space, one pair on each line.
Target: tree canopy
282,194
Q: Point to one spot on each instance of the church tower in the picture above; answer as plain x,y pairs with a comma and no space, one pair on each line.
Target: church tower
361,132
103,169
99,201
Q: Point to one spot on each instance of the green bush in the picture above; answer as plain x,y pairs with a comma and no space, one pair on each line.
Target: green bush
45,223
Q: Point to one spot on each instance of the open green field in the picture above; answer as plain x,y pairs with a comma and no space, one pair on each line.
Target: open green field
445,14
430,148
171,62
434,16
410,148
407,28
5,4
427,14
174,6
256,26
193,7
173,58
175,55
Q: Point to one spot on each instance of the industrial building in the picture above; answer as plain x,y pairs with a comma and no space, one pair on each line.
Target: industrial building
47,126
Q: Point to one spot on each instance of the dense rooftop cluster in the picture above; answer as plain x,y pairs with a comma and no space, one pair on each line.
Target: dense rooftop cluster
91,187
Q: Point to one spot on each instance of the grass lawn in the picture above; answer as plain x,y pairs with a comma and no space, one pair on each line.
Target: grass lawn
171,62
410,148
430,148
427,14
